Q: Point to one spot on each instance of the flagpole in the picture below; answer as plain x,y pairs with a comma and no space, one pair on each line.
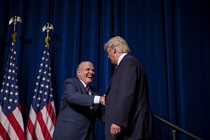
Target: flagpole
42,116
11,120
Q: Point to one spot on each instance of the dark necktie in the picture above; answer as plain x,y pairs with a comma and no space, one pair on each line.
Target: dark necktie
88,90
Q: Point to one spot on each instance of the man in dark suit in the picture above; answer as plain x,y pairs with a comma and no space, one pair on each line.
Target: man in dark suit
128,115
80,105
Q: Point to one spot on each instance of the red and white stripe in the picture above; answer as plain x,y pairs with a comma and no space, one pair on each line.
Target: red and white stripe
41,124
11,126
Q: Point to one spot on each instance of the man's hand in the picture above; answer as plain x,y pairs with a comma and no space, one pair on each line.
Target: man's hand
102,100
115,130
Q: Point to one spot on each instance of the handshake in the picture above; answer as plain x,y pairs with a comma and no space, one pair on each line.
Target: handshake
102,99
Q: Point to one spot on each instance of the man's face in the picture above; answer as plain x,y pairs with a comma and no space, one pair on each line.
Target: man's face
86,72
111,54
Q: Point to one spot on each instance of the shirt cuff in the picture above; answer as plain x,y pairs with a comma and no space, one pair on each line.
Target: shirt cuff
96,100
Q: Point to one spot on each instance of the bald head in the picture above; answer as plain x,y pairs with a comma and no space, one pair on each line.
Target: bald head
85,72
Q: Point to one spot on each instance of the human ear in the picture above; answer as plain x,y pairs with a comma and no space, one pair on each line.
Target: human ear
78,74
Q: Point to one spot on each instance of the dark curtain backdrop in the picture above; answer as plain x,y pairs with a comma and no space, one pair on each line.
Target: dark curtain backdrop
171,38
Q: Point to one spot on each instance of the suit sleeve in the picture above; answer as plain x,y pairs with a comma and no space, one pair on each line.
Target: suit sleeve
74,95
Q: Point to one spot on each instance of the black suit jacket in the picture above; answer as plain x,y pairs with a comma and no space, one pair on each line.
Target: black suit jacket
127,102
77,112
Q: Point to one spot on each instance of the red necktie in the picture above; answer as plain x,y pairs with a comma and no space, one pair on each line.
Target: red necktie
116,67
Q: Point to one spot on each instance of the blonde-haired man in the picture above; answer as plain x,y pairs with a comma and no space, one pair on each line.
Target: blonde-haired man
128,115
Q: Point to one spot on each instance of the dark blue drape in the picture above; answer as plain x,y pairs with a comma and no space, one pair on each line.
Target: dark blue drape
171,38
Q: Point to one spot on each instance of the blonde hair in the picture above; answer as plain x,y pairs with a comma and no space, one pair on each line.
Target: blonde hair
119,42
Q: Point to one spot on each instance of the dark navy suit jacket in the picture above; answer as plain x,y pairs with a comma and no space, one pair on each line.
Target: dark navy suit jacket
77,112
127,102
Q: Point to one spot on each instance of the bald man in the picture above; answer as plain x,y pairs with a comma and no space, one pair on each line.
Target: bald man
80,105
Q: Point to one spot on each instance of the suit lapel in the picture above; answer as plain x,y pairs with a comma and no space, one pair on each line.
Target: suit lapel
81,86
113,75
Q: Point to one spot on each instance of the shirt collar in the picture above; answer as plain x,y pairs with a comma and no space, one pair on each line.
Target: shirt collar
83,83
120,58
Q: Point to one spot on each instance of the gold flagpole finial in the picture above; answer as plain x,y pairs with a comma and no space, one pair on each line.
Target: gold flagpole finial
14,20
47,28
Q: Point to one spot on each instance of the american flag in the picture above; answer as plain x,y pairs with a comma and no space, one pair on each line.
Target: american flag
42,115
11,120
